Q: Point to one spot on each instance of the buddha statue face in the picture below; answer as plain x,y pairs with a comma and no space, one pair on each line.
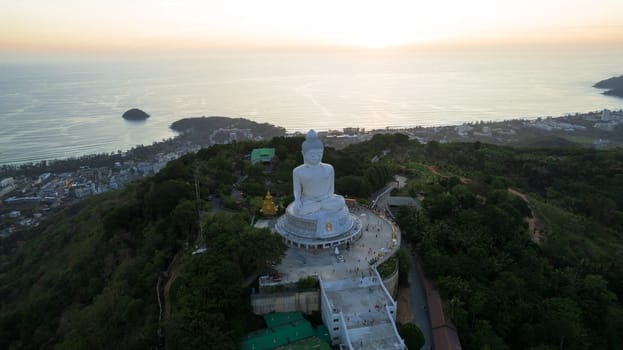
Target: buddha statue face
312,149
313,156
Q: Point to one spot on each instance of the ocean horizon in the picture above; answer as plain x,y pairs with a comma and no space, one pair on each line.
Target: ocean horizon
61,109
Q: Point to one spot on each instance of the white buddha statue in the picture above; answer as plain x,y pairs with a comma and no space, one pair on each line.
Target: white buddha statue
317,215
314,181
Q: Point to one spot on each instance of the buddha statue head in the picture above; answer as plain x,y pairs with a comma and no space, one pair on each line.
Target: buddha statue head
312,149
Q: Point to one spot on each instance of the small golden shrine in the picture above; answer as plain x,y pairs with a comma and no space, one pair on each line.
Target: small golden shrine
268,207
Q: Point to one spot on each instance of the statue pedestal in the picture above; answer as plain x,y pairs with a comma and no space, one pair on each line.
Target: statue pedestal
322,229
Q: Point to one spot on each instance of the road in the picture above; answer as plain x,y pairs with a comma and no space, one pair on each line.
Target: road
417,300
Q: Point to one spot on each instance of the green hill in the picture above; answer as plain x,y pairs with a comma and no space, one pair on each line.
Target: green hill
610,83
87,278
205,126
547,142
613,85
504,286
614,92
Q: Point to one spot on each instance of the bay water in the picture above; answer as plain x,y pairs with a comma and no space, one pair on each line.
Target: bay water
68,108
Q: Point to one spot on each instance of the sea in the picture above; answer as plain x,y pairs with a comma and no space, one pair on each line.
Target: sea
60,108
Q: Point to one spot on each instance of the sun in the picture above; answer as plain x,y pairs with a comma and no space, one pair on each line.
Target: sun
373,35
370,24
374,41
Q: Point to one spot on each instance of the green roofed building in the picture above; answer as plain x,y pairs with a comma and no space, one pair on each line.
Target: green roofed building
277,319
287,330
264,155
311,343
322,333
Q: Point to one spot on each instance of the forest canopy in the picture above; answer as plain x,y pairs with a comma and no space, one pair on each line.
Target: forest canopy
88,276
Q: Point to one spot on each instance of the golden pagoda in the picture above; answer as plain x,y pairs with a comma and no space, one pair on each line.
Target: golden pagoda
268,207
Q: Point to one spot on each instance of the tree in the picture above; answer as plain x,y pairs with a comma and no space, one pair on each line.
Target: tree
466,199
412,335
412,222
440,205
185,218
563,322
210,309
356,186
404,262
163,197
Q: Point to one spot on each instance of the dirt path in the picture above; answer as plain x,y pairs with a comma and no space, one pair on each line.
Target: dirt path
533,224
172,275
434,170
519,194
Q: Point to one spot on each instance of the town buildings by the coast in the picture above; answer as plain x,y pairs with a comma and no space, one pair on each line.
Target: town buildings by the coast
594,129
27,199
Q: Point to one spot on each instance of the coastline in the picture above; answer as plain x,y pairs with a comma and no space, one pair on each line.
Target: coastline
78,111
482,131
612,86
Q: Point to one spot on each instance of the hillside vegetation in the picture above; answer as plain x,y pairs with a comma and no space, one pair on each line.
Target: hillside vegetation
502,289
87,278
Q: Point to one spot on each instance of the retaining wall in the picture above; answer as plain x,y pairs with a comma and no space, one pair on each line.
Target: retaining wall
305,302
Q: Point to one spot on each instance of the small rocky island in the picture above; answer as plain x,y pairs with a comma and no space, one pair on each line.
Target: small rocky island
613,85
135,114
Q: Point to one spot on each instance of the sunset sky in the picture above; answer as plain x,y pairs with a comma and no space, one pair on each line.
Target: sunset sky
109,25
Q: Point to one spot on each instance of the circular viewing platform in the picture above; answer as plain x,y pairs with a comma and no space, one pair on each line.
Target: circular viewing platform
318,230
